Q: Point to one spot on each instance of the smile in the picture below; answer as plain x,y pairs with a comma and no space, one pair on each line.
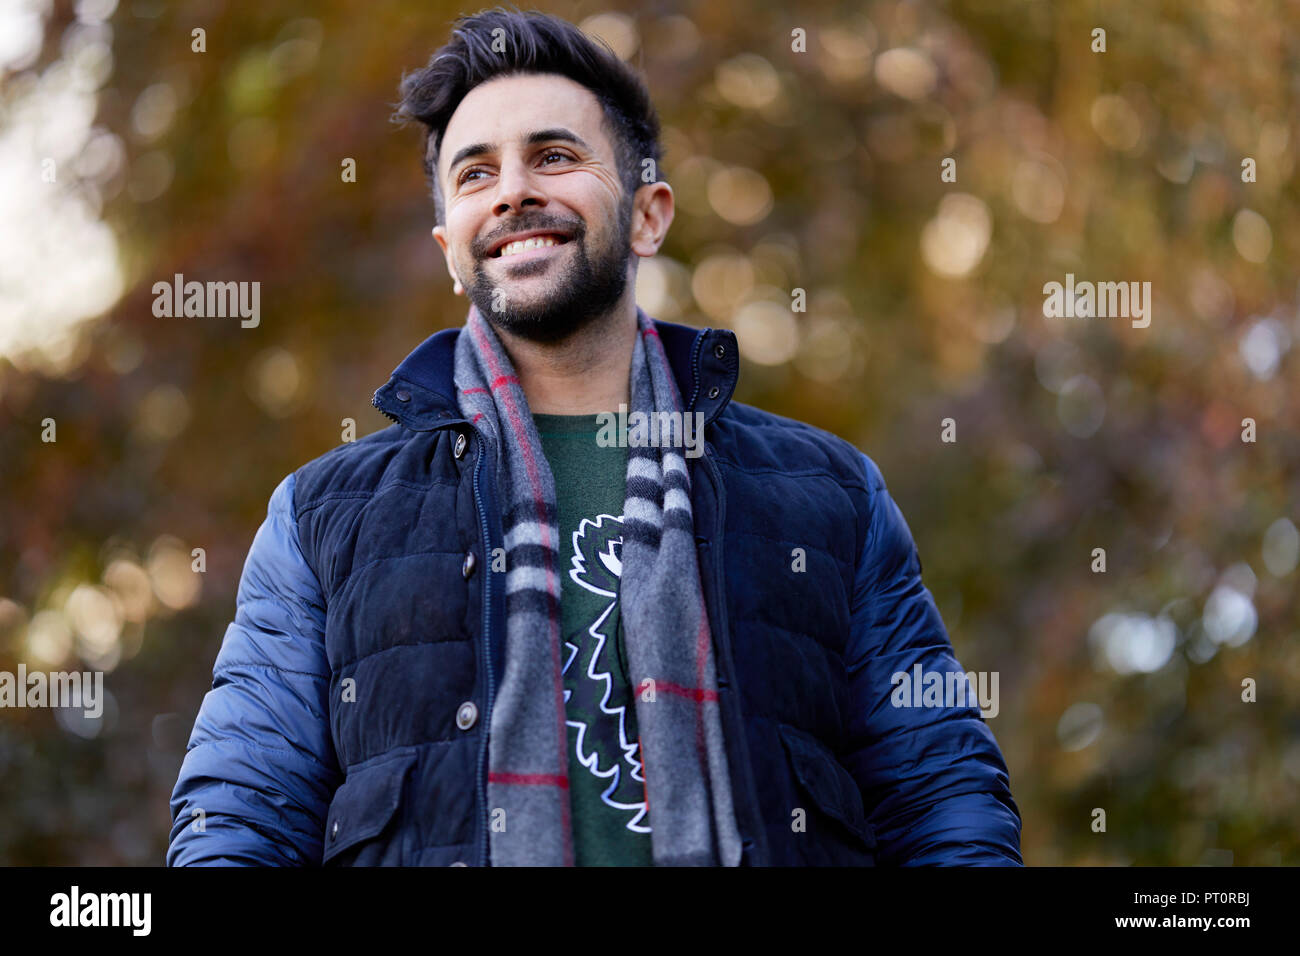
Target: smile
526,246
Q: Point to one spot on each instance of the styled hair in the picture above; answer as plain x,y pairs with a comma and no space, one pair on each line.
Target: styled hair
506,42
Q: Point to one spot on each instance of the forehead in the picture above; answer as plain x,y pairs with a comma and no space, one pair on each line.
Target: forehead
505,109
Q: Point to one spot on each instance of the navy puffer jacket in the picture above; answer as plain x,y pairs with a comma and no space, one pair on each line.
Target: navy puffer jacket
347,721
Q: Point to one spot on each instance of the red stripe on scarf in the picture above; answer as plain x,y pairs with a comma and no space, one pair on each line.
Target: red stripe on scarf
701,658
697,694
645,779
531,779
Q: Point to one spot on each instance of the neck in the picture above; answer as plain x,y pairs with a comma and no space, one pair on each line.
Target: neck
582,375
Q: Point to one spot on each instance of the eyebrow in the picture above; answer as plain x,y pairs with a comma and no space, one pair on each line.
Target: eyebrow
532,139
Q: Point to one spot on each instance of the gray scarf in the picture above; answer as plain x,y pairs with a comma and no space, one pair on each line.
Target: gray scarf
666,628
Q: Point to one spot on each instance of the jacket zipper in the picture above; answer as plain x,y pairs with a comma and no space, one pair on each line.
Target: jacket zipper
486,724
374,400
720,591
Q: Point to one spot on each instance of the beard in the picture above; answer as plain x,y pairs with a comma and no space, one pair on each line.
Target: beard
583,289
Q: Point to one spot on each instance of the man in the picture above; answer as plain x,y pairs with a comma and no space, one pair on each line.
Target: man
576,606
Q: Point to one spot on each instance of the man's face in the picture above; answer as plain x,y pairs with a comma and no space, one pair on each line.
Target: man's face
496,183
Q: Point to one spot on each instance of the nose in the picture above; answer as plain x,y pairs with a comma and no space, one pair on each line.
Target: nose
517,187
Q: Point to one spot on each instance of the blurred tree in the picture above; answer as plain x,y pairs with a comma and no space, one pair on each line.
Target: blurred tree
818,169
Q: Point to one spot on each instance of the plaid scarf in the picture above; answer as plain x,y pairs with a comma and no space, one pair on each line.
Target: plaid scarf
666,628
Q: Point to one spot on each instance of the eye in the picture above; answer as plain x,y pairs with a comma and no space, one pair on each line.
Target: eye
464,176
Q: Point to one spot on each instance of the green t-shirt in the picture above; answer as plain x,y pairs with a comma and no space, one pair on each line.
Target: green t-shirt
611,822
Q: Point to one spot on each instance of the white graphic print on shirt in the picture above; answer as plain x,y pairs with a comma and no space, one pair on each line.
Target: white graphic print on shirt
598,709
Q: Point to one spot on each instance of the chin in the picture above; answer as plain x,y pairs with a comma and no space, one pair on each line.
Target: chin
544,329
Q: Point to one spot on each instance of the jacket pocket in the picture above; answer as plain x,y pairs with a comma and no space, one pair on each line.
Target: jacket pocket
361,810
822,777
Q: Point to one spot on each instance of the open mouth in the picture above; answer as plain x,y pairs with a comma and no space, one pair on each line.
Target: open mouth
528,245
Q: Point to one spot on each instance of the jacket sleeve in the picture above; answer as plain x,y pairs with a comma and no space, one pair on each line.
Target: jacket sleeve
260,767
934,783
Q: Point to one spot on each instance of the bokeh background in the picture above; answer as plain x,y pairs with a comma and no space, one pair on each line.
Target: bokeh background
817,170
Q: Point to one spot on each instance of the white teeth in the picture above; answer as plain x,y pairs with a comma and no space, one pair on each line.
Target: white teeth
525,244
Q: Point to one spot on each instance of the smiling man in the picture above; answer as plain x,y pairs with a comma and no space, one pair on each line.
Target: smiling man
491,634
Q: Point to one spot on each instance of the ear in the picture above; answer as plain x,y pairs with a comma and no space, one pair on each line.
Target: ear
440,234
652,214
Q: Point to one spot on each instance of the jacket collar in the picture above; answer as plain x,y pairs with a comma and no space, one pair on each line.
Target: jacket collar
421,393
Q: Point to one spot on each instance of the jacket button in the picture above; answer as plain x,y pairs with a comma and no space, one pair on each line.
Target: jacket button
719,351
713,392
467,568
465,716
334,832
460,445
403,395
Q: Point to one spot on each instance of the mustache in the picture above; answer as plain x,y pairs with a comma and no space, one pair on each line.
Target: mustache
576,231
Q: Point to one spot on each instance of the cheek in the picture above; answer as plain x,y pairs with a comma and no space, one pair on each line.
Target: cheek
460,233
610,193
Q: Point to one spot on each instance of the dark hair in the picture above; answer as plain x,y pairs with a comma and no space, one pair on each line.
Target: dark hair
530,42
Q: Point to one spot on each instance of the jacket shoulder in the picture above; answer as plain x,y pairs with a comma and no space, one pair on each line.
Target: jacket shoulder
755,440
332,489
354,466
